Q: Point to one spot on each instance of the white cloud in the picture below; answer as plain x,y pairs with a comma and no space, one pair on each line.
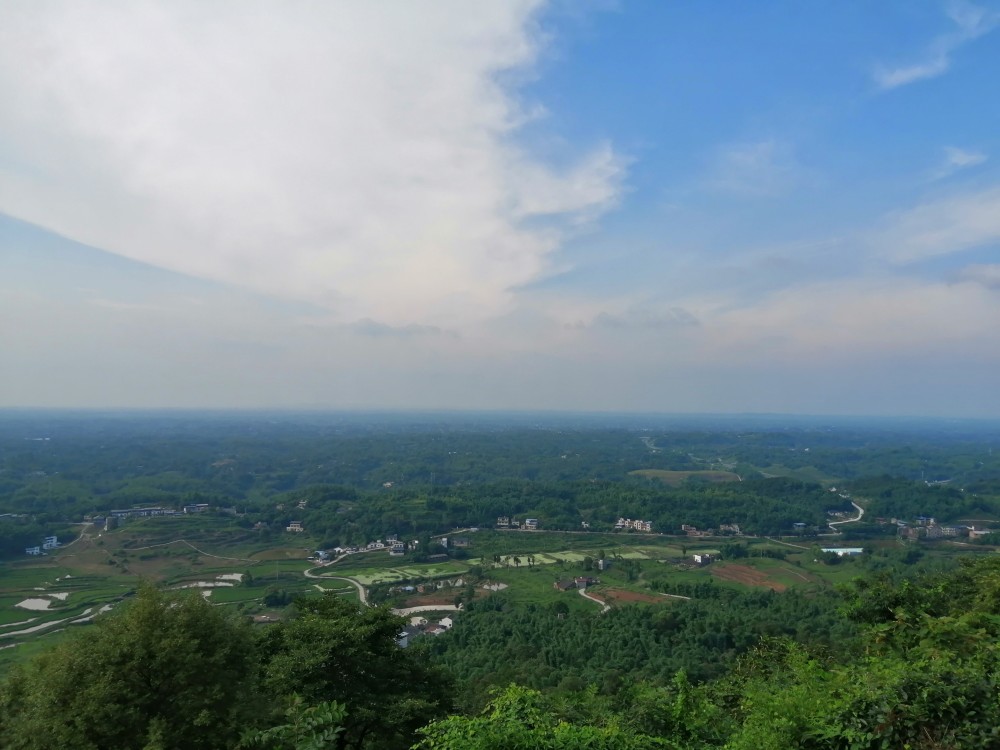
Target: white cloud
756,168
985,274
852,345
356,155
643,318
957,159
960,158
943,227
971,23
858,320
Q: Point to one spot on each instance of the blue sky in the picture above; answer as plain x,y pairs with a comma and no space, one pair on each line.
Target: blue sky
643,206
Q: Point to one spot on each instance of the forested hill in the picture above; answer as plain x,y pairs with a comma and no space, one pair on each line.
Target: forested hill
182,674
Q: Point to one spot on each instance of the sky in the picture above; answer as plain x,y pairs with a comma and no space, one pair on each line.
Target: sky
584,205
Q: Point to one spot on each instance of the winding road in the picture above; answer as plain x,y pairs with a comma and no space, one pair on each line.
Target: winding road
834,524
362,594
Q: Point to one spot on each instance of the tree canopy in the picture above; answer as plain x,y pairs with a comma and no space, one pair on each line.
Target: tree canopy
163,672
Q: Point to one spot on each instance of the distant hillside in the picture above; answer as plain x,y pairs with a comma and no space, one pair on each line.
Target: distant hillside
676,478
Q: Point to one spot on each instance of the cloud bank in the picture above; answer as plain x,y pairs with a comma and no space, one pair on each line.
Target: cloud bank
358,156
942,227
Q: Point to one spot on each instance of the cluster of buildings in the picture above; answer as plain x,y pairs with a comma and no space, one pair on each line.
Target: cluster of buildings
150,512
504,522
111,519
581,582
925,527
637,525
724,528
422,626
395,546
843,551
392,544
50,542
429,587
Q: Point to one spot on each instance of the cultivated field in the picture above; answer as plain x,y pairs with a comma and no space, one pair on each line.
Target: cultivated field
45,597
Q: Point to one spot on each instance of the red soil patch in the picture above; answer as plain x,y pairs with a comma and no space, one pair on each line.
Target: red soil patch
424,601
621,595
745,575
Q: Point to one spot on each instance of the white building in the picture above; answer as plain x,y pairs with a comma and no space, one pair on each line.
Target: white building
844,551
637,524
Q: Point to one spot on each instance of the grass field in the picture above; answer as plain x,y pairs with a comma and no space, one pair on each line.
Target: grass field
535,586
369,576
802,474
676,478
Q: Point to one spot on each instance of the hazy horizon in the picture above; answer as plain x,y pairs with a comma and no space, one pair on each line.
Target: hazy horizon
472,417
572,208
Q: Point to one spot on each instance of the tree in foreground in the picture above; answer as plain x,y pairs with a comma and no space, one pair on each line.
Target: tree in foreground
337,650
929,678
307,728
161,673
523,719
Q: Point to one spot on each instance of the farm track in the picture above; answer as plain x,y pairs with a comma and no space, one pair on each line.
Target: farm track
604,605
795,573
199,551
787,544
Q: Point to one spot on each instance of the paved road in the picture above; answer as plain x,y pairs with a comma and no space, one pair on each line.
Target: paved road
427,608
861,512
362,594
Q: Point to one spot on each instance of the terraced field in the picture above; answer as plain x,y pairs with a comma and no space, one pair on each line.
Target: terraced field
42,597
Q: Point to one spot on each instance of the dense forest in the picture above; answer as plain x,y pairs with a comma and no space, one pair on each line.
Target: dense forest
365,476
546,649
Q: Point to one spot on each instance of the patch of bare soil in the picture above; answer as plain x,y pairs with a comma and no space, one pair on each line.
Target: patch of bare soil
430,599
745,575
